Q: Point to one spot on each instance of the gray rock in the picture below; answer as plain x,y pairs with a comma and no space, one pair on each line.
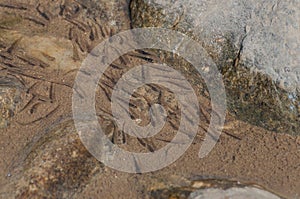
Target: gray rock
10,91
233,193
272,44
255,45
54,165
214,189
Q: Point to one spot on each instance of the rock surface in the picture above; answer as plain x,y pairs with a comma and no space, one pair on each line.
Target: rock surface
10,98
214,189
56,166
255,45
232,193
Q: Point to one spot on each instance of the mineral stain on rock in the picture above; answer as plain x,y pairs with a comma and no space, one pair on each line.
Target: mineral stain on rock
214,189
56,166
10,99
